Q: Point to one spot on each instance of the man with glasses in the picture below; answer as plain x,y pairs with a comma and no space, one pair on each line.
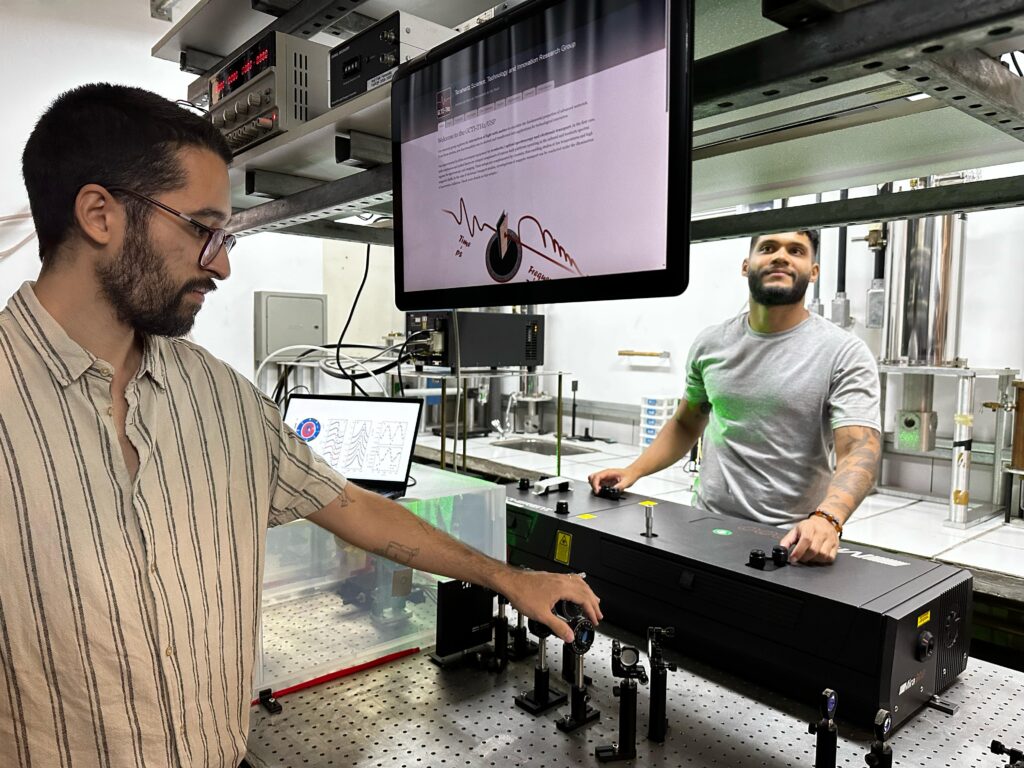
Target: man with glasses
138,473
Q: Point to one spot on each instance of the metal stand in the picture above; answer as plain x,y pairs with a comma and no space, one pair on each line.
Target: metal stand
580,711
569,666
497,660
657,725
625,664
827,740
522,645
541,698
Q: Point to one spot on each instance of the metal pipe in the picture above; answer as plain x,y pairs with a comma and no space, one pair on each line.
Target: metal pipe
999,444
841,252
465,422
924,288
1017,456
444,425
963,431
558,429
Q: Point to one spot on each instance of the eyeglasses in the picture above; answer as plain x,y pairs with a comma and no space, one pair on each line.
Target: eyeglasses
216,238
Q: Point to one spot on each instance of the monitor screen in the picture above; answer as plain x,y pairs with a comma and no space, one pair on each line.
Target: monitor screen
544,157
364,438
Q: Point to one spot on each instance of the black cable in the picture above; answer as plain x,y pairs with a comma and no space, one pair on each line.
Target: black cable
351,314
288,394
286,371
1016,63
401,354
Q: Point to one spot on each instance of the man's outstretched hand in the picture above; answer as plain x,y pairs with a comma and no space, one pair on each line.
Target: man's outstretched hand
534,593
813,540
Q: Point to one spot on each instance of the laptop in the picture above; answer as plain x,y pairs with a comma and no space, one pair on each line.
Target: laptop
369,440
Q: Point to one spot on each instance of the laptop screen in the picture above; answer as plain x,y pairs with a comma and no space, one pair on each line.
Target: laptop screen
364,438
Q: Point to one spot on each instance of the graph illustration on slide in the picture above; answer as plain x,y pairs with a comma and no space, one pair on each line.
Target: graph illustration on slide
359,446
506,246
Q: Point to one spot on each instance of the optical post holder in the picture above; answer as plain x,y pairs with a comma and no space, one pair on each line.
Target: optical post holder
625,665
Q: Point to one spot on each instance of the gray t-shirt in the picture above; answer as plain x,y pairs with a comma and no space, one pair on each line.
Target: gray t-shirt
775,400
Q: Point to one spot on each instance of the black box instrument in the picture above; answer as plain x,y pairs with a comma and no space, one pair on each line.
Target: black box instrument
887,631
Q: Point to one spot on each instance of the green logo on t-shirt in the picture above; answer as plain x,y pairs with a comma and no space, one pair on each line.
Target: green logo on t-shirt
722,532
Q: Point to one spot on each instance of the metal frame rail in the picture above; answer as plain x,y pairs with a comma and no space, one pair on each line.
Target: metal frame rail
930,45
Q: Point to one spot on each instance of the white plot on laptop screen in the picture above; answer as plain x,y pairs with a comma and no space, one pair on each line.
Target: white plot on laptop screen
362,439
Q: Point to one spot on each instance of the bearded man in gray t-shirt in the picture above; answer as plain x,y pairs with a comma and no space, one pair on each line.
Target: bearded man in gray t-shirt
773,391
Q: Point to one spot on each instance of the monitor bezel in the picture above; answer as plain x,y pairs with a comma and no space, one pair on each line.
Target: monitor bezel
670,281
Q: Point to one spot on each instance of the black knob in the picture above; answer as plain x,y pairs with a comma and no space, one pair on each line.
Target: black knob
524,483
757,558
925,646
539,629
780,556
561,507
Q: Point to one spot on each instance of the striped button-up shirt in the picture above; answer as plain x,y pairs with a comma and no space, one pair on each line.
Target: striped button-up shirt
128,605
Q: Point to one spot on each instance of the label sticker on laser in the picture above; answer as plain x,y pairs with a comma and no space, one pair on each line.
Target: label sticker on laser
563,547
924,618
585,516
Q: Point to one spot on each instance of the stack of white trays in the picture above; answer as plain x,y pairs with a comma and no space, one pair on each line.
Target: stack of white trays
654,412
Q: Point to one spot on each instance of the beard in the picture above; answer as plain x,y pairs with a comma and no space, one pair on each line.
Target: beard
143,294
771,296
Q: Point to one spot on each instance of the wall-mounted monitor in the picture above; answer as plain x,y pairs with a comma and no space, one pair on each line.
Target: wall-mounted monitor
544,157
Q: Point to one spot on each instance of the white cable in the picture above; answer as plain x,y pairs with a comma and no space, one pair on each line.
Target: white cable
276,352
327,368
25,241
16,217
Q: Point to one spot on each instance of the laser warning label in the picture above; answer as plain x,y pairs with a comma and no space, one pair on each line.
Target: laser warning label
563,547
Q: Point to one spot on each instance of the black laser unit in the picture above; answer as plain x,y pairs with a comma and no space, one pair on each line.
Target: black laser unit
486,339
886,631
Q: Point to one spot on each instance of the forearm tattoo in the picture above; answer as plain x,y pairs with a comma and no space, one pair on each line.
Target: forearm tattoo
858,451
400,553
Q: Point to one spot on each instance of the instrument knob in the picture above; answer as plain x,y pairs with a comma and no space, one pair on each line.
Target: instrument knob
925,646
780,556
562,508
757,559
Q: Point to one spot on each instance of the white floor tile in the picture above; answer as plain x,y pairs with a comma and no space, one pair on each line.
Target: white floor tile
678,497
916,530
1004,535
677,474
987,556
877,503
651,486
614,449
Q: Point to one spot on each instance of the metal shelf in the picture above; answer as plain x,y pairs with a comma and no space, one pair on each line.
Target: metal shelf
909,40
308,151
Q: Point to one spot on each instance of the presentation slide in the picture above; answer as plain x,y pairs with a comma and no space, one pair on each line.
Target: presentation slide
368,440
549,162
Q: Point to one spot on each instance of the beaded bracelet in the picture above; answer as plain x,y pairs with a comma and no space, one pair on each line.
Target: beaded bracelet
831,518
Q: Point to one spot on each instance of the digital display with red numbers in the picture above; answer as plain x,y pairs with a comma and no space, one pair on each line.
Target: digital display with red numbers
243,68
